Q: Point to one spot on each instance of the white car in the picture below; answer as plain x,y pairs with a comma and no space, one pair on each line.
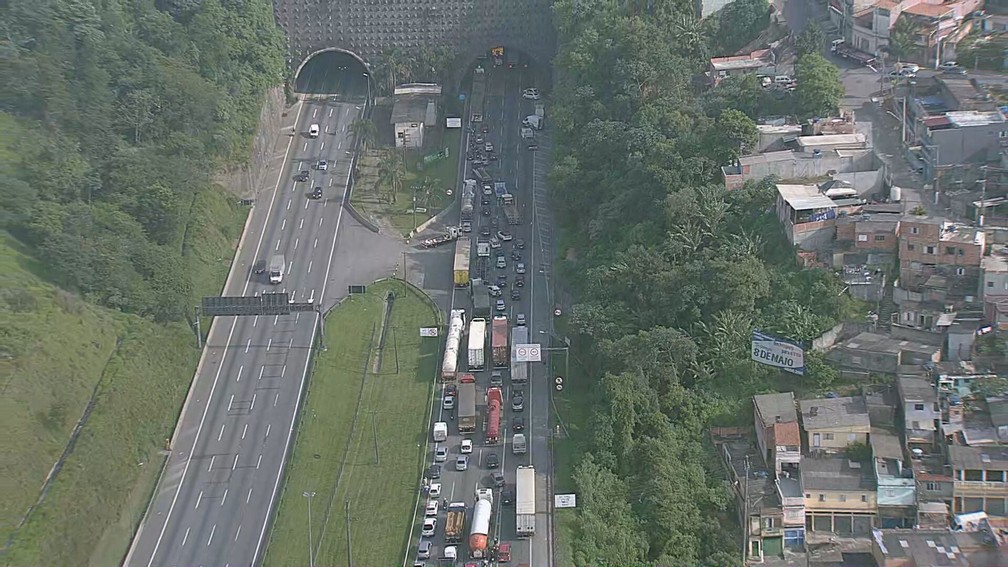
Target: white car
429,527
323,165
462,463
432,508
531,93
466,447
448,403
948,65
494,290
435,490
495,243
909,67
440,454
505,236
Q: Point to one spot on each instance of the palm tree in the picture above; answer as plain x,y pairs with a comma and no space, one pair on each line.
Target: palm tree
365,131
903,39
391,172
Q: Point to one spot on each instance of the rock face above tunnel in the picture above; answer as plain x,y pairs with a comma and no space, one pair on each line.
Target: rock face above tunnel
369,27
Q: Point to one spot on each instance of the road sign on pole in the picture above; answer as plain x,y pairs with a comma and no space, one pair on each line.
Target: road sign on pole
531,352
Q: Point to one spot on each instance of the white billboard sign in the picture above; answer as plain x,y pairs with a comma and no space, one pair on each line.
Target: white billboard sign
778,352
565,500
453,122
528,353
428,331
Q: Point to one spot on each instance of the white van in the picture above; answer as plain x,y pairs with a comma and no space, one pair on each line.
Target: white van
518,445
313,131
782,80
440,431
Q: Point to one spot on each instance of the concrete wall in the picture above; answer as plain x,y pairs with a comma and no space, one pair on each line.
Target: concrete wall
967,144
803,166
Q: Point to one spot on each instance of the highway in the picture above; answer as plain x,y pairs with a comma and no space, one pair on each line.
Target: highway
518,167
218,491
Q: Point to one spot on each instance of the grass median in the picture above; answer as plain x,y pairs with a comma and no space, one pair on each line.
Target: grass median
361,440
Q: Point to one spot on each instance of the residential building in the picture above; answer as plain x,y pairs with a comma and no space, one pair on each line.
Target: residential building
873,353
415,109
865,283
993,285
981,479
808,216
859,167
965,136
870,231
921,415
840,496
935,488
760,61
939,548
777,433
867,24
932,246
896,496
832,142
831,424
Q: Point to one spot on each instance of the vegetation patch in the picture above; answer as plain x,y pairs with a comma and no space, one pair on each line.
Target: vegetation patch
361,441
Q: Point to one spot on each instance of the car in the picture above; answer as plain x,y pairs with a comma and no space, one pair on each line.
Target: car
303,176
518,400
497,476
434,491
557,311
520,281
492,461
500,305
488,147
496,378
532,147
424,549
504,551
507,495
501,279
485,230
434,471
904,73
432,508
485,201
313,131
485,128
504,236
486,213
956,71
948,65
912,67
316,193
479,139
520,268
259,267
519,244
495,243
466,447
516,256
531,93
448,402
515,294
440,454
495,291
466,226
462,463
520,319
450,390
501,263
494,222
518,423
322,165
429,527
487,189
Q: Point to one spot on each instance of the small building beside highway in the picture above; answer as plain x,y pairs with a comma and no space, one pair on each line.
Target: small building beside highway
414,109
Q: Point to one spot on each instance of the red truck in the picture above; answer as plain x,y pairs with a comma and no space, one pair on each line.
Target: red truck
499,342
495,402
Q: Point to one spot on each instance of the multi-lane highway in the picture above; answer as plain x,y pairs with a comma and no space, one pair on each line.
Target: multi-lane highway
215,499
517,166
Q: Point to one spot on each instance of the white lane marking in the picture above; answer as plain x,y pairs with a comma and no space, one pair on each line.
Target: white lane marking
306,204
316,243
276,319
248,345
259,462
320,222
268,426
224,499
283,371
235,463
330,181
245,430
210,539
325,203
301,224
198,500
276,399
330,112
238,533
290,345
322,147
305,147
297,240
231,403
212,457
240,368
269,344
283,225
221,434
300,164
261,370
339,146
314,113
255,321
289,204
278,245
252,405
309,266
185,538
310,300
249,497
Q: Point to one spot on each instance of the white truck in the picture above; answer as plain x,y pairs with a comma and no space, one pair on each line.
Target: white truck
482,249
518,444
477,344
525,502
277,268
440,431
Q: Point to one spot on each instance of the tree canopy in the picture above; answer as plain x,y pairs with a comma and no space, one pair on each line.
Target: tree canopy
122,111
670,274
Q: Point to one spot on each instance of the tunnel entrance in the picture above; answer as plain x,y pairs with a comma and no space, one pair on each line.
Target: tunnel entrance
334,72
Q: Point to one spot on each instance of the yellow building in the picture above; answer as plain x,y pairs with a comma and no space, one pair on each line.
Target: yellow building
840,496
831,424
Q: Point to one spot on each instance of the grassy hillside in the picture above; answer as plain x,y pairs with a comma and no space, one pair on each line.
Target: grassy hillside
56,351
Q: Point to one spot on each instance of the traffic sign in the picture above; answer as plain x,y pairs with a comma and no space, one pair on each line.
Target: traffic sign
531,352
428,331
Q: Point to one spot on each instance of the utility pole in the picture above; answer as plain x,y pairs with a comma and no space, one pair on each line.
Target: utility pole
349,550
395,348
404,274
983,199
311,556
745,513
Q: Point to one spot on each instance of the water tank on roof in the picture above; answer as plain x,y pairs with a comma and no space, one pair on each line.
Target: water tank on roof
895,194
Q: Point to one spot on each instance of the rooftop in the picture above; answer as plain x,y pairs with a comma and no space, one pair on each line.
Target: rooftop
787,434
410,108
993,458
998,408
967,118
827,413
754,60
832,140
934,548
885,444
930,10
804,197
776,408
835,473
916,389
883,344
952,232
996,262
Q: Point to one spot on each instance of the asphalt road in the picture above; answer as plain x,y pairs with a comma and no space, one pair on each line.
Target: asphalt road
524,172
215,499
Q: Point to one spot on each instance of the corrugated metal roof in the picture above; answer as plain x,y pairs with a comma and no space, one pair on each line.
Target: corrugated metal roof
804,197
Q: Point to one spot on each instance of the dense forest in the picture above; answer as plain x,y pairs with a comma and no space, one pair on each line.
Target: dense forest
124,111
669,272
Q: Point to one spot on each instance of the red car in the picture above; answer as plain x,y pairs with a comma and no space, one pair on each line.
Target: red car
504,552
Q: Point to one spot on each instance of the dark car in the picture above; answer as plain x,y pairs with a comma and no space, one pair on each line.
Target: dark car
303,176
507,495
520,281
515,294
316,193
502,279
485,201
516,256
518,400
486,213
434,471
492,461
518,424
485,129
496,378
519,244
451,390
259,267
498,478
484,230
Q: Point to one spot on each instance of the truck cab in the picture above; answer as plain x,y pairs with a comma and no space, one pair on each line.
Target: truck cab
277,267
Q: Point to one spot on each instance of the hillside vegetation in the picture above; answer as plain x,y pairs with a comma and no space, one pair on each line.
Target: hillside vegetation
670,273
114,116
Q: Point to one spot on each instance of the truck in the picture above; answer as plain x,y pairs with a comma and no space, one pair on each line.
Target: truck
449,366
495,404
468,198
440,431
533,121
499,342
478,93
480,530
462,249
481,301
511,209
518,444
467,407
277,268
841,48
455,522
482,249
477,342
500,189
451,233
525,502
519,370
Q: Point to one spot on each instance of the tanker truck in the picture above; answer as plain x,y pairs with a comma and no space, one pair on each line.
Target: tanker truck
480,529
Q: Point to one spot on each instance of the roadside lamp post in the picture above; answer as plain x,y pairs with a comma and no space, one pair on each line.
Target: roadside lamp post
311,556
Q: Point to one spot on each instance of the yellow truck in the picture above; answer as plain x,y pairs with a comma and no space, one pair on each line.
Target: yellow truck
462,248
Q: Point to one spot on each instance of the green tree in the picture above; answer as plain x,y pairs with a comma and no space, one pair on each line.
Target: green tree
810,40
365,131
903,39
819,88
737,135
392,175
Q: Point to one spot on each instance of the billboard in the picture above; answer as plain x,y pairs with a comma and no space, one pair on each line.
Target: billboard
778,352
